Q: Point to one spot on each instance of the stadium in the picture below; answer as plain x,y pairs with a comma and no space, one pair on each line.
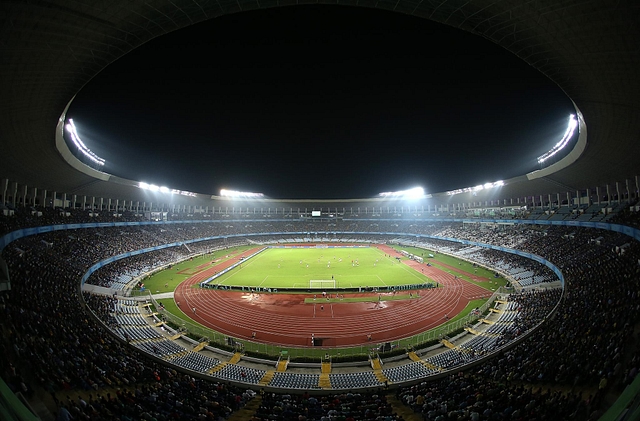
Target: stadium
552,254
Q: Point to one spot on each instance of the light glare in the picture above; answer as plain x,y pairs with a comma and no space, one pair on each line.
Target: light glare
413,193
234,193
71,128
477,188
573,123
164,189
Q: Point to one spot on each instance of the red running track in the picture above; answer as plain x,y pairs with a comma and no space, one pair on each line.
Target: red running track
284,319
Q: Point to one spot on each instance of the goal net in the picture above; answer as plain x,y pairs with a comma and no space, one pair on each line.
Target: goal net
322,284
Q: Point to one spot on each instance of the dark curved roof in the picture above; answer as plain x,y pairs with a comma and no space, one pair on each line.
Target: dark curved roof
49,50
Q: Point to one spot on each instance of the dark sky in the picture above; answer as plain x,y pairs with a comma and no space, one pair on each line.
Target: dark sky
319,102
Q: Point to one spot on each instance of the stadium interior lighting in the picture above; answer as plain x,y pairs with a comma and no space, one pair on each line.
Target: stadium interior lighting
183,193
240,194
147,186
477,188
71,128
164,189
573,123
414,193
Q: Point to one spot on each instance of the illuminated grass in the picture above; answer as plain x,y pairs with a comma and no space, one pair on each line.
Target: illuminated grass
294,268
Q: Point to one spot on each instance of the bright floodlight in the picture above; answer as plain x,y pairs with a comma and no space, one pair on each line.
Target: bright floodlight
573,123
477,188
164,189
71,128
240,194
413,193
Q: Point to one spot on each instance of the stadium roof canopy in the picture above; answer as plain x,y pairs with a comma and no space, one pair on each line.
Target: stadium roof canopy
50,49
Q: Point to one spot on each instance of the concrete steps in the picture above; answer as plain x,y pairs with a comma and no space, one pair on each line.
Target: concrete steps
266,379
235,358
324,381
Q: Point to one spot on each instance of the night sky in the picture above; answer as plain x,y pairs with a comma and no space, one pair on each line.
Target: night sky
319,102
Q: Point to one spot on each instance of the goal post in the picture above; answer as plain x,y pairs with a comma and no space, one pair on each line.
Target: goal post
322,284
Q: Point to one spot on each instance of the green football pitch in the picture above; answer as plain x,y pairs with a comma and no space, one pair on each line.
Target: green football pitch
320,268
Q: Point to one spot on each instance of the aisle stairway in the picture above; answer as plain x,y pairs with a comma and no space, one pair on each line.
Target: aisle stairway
402,409
246,412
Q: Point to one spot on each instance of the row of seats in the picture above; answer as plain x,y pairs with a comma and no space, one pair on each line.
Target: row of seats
353,380
122,307
535,280
240,373
133,319
130,333
451,358
409,371
295,380
160,348
196,362
481,343
499,327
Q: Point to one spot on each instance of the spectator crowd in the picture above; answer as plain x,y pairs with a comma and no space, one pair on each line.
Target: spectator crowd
589,345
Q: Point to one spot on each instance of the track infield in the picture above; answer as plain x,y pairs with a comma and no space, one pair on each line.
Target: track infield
292,319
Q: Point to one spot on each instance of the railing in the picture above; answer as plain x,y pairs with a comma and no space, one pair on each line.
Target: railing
440,332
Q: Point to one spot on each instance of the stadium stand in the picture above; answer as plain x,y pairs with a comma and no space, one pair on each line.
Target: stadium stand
595,273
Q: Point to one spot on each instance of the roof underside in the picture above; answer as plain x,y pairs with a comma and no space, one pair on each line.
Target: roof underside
50,51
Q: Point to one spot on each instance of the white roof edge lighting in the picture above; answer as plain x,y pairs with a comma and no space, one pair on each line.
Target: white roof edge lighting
164,189
71,128
240,194
477,188
414,193
573,123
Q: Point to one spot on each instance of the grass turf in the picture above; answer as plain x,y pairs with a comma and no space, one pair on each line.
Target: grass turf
294,268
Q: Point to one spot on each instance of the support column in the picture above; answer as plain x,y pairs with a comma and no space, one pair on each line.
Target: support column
14,187
4,187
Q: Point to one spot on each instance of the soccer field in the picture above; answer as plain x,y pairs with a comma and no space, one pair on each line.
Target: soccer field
294,268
